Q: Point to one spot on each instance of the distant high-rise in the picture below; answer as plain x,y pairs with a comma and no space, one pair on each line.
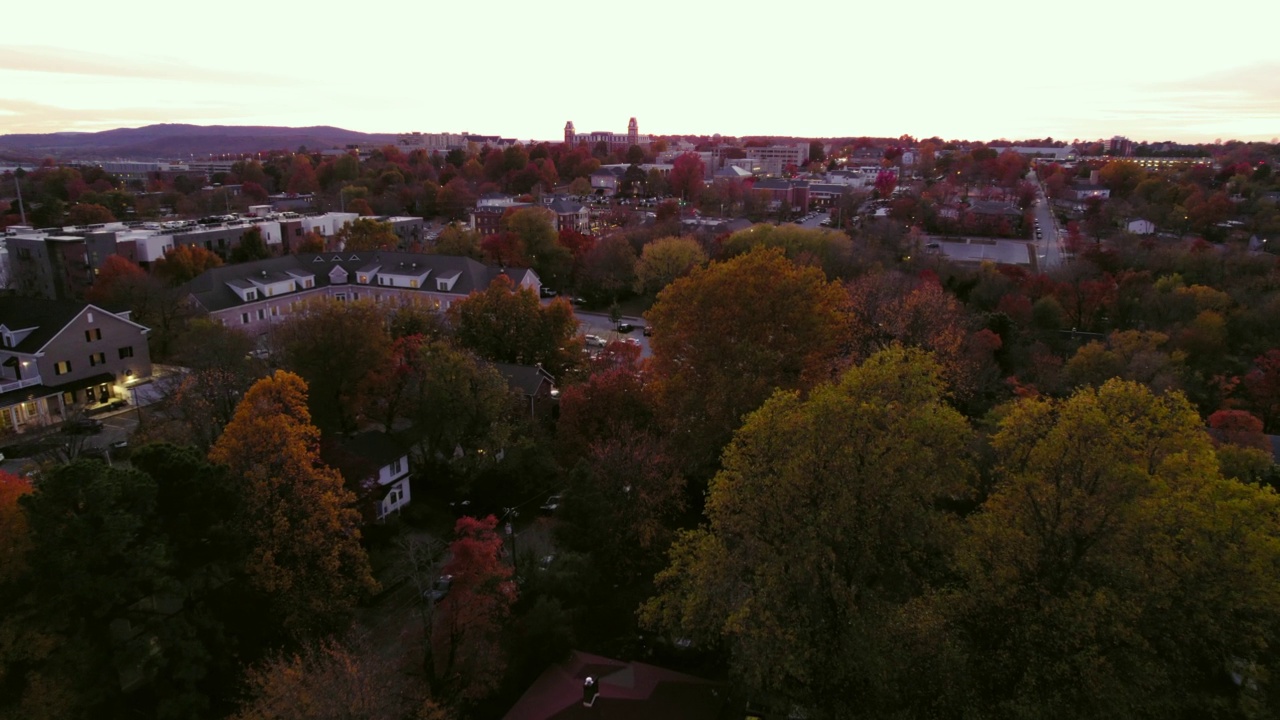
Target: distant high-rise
569,133
633,132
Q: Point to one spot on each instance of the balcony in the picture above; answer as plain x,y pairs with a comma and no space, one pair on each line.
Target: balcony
7,385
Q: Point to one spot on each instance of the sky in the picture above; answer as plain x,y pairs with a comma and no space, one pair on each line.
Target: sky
980,70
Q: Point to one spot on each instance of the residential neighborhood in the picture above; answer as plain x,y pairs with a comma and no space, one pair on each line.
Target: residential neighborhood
450,425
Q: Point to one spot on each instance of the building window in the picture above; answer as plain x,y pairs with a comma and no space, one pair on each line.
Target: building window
89,396
308,283
97,359
251,295
93,334
275,311
62,368
69,397
340,297
244,318
413,283
126,352
396,466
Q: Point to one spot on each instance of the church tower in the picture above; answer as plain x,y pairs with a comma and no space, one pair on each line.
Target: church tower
569,134
633,133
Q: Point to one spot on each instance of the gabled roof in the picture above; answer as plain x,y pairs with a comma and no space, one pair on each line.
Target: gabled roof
565,206
45,319
627,691
525,378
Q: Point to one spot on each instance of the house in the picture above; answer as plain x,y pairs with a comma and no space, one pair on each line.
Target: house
533,383
570,215
57,357
793,192
254,296
1141,227
597,688
378,466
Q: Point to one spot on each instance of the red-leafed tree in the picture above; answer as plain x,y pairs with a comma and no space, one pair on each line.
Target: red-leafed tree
465,641
1262,388
302,177
886,181
610,403
687,173
14,540
118,280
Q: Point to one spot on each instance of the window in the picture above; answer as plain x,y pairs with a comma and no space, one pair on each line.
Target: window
126,352
340,297
244,318
308,283
69,397
97,359
89,397
62,368
413,283
393,497
251,295
89,318
396,466
93,334
262,313
275,311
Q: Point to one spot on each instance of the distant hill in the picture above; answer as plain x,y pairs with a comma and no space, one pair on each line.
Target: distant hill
174,141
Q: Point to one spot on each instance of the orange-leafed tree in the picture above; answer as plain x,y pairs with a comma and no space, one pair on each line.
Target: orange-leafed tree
185,263
466,652
509,324
13,527
89,214
726,336
297,516
119,281
302,176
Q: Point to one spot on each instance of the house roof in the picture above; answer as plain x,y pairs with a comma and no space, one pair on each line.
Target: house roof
47,317
733,171
212,293
565,206
42,390
525,378
628,691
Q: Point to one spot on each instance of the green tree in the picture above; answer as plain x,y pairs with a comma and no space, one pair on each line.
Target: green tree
665,260
509,324
365,234
251,247
830,250
454,240
826,519
552,261
295,512
1112,566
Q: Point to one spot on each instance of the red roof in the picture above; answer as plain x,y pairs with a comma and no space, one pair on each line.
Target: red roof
628,691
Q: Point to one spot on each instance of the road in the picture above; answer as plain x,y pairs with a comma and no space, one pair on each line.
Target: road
1048,248
595,323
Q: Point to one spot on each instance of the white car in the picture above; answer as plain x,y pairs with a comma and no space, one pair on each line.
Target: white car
595,341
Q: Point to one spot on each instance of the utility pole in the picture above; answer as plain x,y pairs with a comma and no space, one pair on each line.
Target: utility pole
21,210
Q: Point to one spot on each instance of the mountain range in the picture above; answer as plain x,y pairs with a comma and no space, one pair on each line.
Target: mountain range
176,141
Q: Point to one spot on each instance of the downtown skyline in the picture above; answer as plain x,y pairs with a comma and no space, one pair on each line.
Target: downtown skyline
991,71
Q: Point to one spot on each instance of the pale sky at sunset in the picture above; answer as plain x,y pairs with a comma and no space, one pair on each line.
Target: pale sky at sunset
979,70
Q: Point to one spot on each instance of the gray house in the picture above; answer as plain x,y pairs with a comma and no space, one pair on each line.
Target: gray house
58,356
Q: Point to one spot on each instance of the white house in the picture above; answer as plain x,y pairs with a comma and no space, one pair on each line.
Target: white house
380,467
1141,227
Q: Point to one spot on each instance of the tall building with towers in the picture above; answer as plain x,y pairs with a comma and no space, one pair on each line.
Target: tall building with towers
615,141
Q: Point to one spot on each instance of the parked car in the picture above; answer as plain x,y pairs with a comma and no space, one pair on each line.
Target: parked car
439,588
552,504
547,292
625,327
82,426
595,341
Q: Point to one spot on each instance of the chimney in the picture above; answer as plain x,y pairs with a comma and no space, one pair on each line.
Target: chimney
590,691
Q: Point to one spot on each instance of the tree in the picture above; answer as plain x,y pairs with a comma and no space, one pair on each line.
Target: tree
727,335
185,263
251,247
609,269
1112,566
827,516
89,214
468,659
832,251
301,176
295,512
580,186
364,235
454,240
312,242
686,177
332,679
509,324
14,539
118,281
219,370
1262,388
333,346
552,261
665,260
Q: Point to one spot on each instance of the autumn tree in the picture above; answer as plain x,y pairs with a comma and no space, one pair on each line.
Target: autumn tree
185,263
665,260
686,177
1262,388
14,540
466,653
832,251
312,242
552,261
727,335
219,369
301,176
1113,566
507,324
365,234
608,271
455,240
295,512
333,345
89,214
333,679
827,517
117,283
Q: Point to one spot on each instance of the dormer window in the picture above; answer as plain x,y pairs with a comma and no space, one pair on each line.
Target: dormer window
250,295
